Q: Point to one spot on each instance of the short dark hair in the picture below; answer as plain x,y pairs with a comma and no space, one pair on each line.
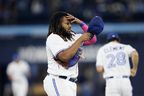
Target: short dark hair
113,39
56,27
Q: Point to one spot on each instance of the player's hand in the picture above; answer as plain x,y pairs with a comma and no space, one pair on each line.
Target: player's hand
133,72
73,19
86,37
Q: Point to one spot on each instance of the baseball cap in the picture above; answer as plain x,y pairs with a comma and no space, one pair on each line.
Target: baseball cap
96,25
113,35
15,56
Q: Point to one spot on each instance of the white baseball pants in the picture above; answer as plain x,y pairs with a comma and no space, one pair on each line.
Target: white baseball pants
118,87
55,86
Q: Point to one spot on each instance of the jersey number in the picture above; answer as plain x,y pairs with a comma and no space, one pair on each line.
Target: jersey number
118,59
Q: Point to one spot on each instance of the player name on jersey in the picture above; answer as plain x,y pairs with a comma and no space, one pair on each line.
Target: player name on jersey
116,48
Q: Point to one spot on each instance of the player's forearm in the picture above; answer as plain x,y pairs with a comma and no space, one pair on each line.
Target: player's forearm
100,69
10,77
135,59
67,54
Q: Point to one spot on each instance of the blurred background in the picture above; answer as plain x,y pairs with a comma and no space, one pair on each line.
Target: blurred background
24,26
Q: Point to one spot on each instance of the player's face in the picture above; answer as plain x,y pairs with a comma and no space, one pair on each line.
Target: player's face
66,24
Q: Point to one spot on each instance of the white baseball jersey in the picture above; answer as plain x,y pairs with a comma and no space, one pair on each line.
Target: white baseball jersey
114,57
54,45
18,71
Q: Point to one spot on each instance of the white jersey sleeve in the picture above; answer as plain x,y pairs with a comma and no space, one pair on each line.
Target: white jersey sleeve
9,70
129,50
56,44
26,68
99,59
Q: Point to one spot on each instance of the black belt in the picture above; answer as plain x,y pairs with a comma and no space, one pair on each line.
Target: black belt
116,77
65,77
70,79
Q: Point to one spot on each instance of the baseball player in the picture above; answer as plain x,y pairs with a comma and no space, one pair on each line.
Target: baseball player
17,72
63,48
113,61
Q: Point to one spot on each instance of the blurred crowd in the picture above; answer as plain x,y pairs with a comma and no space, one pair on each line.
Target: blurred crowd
39,11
